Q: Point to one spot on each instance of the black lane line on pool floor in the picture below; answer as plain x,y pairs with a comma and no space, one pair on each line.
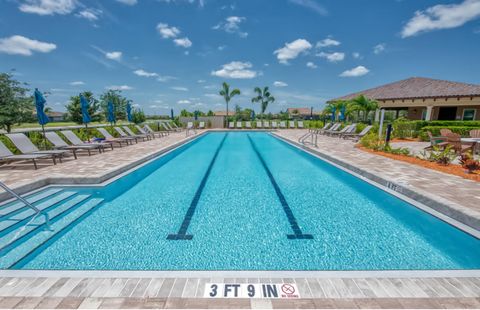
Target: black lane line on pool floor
182,232
297,232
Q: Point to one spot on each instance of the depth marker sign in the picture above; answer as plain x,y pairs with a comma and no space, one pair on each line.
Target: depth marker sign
251,290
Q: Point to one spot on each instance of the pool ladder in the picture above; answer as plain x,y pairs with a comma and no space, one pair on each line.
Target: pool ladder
311,135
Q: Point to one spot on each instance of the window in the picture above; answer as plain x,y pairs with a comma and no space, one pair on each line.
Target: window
469,114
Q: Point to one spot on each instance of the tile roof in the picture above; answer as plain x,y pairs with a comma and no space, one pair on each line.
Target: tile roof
417,87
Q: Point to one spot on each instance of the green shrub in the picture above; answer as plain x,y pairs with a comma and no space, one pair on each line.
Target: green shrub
415,129
435,130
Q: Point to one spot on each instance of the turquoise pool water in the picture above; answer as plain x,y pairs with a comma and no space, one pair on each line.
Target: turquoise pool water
249,201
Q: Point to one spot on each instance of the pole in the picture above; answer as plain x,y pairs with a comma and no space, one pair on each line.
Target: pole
44,138
380,129
86,131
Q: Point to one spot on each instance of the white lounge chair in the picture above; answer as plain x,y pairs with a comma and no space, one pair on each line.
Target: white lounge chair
75,140
335,127
239,125
59,143
144,132
355,137
283,125
153,132
135,135
201,125
346,129
167,124
123,135
7,156
274,124
259,125
291,124
112,139
266,124
24,145
167,128
248,125
174,126
300,125
231,125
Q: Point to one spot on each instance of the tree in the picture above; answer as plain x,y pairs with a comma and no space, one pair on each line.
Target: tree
337,106
210,113
15,106
74,109
227,95
263,97
185,113
119,103
364,104
138,116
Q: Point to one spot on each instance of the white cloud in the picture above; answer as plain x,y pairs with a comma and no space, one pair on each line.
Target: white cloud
20,45
141,72
221,47
236,70
201,81
114,55
232,25
312,5
179,88
332,57
292,50
357,71
356,55
327,42
77,83
442,16
128,2
201,3
48,7
167,32
379,48
119,87
210,95
90,14
183,42
185,101
165,78
280,84
311,65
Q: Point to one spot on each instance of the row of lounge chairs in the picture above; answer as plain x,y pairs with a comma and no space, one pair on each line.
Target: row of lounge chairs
347,132
265,124
30,151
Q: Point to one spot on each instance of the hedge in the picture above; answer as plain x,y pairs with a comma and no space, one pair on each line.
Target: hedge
412,129
464,131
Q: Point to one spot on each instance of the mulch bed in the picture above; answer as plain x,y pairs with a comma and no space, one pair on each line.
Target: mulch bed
450,169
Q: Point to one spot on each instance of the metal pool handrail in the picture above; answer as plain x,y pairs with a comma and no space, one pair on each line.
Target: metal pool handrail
28,204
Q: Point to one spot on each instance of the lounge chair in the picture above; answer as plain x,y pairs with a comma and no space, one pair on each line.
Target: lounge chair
190,126
259,125
59,143
201,125
176,128
355,137
26,146
167,128
148,129
291,124
248,125
335,127
143,131
132,134
75,140
455,141
266,124
274,124
283,125
231,125
123,135
300,125
239,125
435,141
7,156
111,139
345,130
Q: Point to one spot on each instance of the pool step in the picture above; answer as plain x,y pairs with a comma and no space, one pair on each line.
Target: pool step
24,214
16,205
19,249
22,230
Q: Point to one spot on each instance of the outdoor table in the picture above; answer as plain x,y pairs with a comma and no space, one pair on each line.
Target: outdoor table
475,141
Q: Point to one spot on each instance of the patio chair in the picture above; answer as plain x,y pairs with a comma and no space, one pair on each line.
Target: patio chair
300,125
132,134
239,125
455,141
259,125
75,140
174,126
266,124
435,141
283,125
111,139
248,125
231,125
7,156
346,130
123,135
167,124
201,125
143,131
291,124
148,129
325,127
59,143
24,145
445,132
190,125
356,137
335,127
167,128
274,124
475,133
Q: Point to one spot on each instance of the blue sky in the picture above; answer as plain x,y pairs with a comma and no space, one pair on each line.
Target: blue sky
176,53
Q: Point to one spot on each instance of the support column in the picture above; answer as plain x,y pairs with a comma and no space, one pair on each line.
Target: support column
428,115
377,115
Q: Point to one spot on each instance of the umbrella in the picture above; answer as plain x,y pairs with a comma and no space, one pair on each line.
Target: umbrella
195,114
334,111
129,112
342,113
85,116
252,115
111,112
171,114
41,116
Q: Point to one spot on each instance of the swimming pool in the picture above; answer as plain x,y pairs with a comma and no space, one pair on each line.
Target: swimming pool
244,201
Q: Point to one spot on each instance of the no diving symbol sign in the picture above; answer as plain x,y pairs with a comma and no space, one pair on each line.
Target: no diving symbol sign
251,290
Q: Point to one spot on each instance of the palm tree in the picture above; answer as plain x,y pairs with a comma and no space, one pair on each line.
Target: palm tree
263,97
364,104
227,95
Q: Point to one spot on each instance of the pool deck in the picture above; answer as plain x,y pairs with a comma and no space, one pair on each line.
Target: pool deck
110,289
